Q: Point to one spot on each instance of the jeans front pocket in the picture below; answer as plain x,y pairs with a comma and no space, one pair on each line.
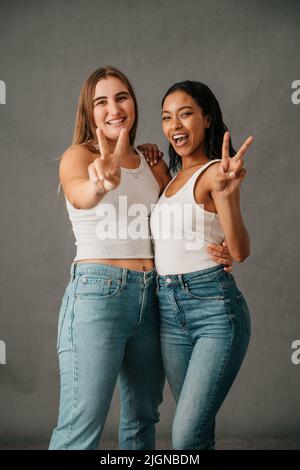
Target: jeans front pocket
62,316
209,290
97,287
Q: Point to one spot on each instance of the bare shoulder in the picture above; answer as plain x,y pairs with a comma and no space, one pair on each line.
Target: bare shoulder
74,163
76,155
77,152
209,175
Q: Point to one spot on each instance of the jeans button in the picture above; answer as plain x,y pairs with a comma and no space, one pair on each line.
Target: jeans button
168,280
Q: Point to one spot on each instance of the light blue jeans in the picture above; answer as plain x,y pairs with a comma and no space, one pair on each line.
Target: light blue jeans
108,331
205,331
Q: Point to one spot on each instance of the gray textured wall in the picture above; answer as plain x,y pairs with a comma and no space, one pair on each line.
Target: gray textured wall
248,53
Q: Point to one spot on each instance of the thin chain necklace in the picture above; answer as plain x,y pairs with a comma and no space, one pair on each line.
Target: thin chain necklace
135,172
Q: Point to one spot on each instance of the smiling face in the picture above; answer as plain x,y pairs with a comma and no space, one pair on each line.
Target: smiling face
184,124
113,107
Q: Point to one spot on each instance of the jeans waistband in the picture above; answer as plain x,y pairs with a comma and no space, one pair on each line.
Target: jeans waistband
143,277
203,274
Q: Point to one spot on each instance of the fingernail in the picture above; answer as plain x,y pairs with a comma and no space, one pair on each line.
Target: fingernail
151,164
155,161
148,160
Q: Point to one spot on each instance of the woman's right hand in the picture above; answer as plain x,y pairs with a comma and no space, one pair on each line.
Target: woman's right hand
231,171
105,171
151,152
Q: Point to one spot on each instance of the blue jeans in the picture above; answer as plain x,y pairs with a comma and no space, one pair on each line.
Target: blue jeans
108,332
205,331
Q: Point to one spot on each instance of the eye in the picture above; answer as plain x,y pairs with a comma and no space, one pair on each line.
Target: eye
122,98
101,103
165,118
187,113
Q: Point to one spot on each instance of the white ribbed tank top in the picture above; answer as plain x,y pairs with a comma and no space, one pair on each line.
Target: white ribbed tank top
118,226
182,229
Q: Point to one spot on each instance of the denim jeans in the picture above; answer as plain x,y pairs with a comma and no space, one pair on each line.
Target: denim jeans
205,331
108,333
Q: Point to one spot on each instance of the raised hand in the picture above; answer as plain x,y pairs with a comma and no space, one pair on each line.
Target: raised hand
231,172
105,171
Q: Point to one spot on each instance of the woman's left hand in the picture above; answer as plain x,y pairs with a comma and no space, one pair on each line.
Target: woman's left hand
151,152
220,254
231,172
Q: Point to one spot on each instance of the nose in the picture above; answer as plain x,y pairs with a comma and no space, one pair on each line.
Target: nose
114,109
175,123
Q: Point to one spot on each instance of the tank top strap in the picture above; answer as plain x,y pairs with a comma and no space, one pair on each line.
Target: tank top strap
200,170
186,188
191,182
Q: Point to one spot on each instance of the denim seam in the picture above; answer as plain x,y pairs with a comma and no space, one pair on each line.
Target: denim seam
67,300
175,304
213,397
75,374
132,397
226,303
246,316
141,308
225,361
75,369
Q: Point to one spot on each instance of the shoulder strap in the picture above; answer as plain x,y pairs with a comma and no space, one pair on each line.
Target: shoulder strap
198,172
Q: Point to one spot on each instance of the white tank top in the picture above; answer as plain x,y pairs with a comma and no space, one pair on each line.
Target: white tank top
182,229
118,226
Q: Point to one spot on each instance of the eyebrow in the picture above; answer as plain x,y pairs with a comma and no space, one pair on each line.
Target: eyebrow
103,97
182,107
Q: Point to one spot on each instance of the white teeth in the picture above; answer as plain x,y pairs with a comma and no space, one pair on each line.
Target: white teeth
179,135
115,121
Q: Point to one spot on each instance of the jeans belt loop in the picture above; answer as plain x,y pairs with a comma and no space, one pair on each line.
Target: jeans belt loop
157,282
73,271
124,278
181,281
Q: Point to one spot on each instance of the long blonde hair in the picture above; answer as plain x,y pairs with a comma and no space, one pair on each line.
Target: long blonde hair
85,129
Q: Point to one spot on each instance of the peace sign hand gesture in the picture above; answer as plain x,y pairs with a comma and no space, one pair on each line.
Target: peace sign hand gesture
105,171
231,171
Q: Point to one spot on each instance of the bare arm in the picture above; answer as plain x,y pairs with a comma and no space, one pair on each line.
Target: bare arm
85,179
162,174
225,181
77,185
231,220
